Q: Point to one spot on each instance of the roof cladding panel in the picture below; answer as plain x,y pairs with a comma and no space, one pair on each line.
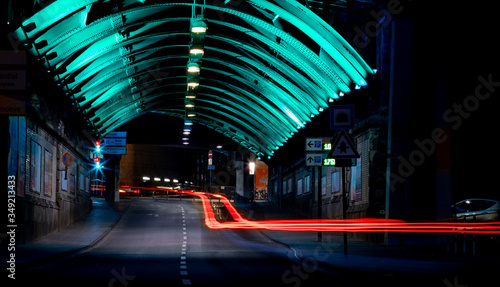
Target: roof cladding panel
261,75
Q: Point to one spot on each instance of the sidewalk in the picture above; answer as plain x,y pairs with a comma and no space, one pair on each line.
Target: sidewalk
364,255
80,235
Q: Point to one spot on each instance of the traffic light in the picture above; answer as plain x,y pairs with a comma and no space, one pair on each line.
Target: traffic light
96,155
97,163
97,146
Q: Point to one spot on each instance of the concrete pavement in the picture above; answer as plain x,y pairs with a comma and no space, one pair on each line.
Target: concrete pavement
376,258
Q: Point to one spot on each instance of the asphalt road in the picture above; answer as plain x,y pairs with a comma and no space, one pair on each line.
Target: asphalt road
166,243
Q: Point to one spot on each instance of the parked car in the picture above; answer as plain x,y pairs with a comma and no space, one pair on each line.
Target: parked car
477,209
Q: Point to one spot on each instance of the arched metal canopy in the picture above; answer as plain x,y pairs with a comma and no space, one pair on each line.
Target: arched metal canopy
268,66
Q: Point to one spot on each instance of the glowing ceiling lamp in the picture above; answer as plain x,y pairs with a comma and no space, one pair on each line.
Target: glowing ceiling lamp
190,95
196,51
192,85
189,104
193,68
198,27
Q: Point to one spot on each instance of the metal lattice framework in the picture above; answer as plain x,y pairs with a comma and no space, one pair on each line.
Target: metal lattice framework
268,67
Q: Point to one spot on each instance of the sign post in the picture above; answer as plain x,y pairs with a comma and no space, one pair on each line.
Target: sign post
210,168
319,159
343,150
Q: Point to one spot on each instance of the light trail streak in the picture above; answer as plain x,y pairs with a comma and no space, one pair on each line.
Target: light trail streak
330,225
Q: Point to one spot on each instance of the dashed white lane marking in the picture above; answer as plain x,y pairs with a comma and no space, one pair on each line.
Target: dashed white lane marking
183,263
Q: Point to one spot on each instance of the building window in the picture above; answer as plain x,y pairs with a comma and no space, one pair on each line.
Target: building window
307,184
356,186
336,182
72,183
299,186
81,181
48,174
64,181
36,167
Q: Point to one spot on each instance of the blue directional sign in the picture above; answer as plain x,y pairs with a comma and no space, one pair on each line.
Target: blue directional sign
114,141
114,150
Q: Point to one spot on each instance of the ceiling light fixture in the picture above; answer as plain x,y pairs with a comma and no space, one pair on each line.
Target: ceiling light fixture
196,51
193,68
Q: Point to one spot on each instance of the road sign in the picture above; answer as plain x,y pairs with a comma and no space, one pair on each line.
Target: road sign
319,159
314,159
114,141
117,135
343,147
318,144
211,167
341,117
210,154
114,150
313,144
67,159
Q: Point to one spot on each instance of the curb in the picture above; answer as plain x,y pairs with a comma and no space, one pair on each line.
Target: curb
282,243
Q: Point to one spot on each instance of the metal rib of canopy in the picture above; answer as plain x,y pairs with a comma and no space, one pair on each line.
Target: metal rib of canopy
268,67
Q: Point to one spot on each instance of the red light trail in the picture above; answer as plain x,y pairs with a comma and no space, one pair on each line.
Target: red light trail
330,225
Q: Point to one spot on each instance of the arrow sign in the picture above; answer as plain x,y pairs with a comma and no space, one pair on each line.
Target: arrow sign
314,144
343,147
314,159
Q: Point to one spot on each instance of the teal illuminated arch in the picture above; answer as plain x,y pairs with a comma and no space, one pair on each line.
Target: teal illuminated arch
259,83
